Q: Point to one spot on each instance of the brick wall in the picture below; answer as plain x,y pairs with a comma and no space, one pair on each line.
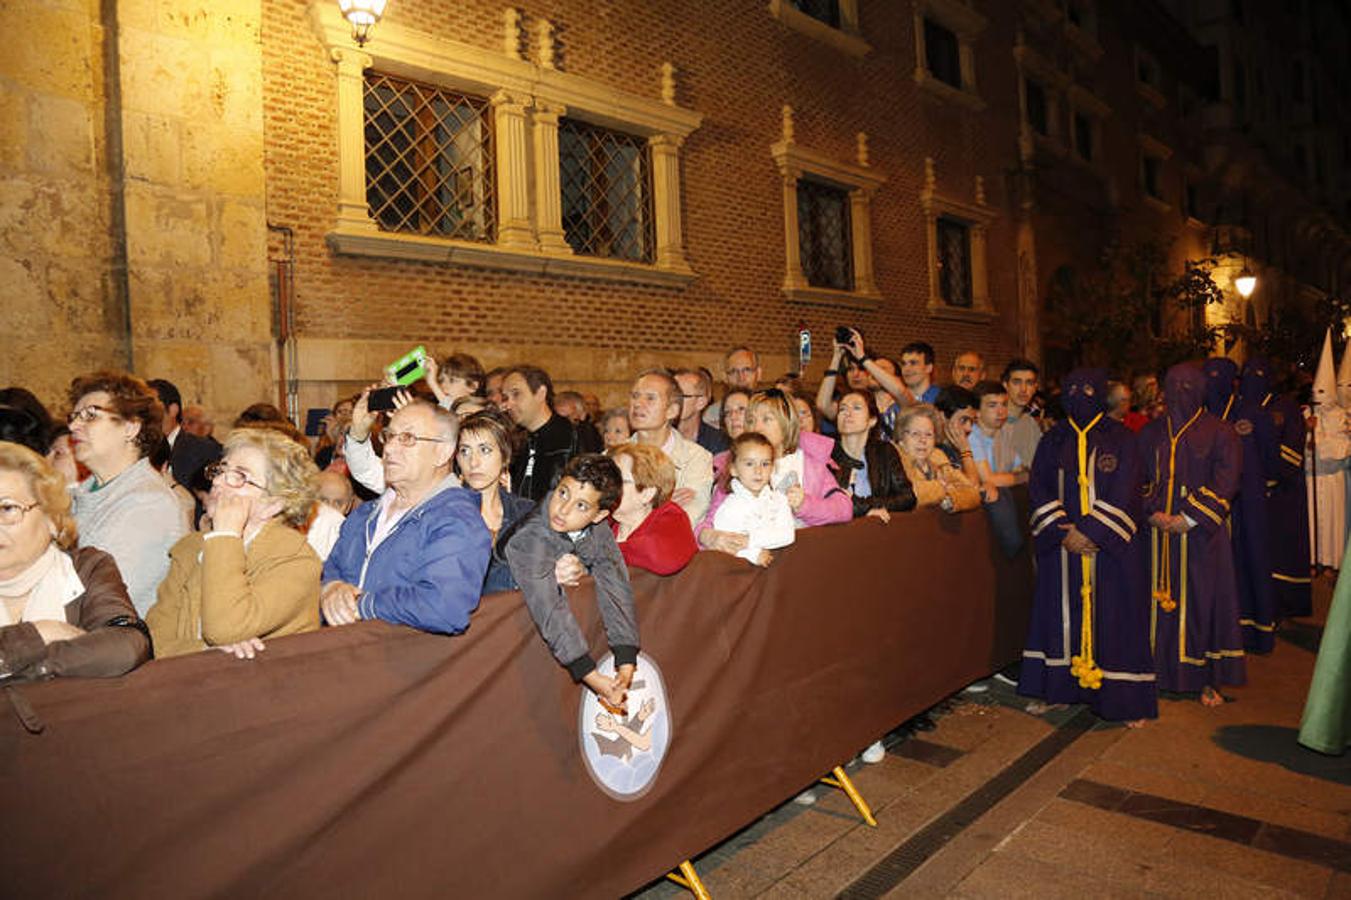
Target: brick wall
737,66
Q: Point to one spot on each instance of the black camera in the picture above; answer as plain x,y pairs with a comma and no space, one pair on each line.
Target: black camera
843,334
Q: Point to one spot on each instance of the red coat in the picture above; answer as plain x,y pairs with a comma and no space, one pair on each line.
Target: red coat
663,543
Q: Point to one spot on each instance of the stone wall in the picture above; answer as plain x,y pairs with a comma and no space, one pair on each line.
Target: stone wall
60,309
196,221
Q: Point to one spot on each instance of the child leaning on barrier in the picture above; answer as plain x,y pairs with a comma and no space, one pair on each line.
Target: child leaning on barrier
557,544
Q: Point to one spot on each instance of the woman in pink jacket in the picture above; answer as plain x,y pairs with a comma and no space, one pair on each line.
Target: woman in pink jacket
803,470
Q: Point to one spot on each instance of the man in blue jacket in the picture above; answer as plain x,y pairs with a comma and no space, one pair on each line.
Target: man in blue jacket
416,555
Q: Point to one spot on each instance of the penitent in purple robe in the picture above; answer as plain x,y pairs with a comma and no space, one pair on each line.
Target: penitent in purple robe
1192,463
1287,496
1249,523
1119,598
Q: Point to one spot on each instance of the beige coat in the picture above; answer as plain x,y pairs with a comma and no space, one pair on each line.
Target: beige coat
220,592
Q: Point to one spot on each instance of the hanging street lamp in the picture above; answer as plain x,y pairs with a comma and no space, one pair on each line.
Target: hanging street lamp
362,15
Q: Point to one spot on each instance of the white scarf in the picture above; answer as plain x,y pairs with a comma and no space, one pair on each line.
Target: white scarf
48,584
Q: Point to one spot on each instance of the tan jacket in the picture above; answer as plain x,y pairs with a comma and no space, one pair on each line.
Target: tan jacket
219,592
942,481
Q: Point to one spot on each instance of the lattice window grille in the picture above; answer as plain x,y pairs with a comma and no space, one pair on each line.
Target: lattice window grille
954,262
827,11
429,160
605,178
824,239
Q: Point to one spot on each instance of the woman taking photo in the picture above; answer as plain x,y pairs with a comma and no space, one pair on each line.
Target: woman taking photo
253,575
653,532
870,468
932,476
63,611
124,506
483,459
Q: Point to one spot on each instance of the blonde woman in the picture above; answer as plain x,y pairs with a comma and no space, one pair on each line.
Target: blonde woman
935,480
252,575
63,611
803,471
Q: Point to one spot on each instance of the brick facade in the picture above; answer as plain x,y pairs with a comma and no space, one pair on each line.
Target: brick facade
737,66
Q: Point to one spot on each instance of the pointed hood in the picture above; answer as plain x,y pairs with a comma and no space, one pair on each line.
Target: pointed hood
1183,390
1255,382
1221,373
1084,395
1344,378
1325,380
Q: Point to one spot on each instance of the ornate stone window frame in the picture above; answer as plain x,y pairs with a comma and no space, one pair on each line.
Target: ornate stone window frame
861,181
528,98
847,38
977,215
1150,86
1032,65
1152,148
967,25
1082,101
1084,37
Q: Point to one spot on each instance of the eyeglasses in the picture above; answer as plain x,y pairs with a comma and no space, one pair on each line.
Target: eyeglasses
87,414
12,512
235,478
408,439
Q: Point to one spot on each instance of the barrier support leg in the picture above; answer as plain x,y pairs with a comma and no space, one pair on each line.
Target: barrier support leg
839,779
687,878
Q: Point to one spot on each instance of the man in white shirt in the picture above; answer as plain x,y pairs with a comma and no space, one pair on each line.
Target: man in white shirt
654,403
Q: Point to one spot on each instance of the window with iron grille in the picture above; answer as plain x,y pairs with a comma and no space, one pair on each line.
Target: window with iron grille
429,159
606,183
942,53
954,261
827,11
1150,178
1083,137
1037,116
824,240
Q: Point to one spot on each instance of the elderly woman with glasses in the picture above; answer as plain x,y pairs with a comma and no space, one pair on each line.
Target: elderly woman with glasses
253,575
652,530
63,611
124,506
935,481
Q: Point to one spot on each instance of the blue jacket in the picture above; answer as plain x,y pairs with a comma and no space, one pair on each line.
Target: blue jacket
427,572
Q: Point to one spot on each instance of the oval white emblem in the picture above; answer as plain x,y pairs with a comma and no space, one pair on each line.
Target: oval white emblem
624,751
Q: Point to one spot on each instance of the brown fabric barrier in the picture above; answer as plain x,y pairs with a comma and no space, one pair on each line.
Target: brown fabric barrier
374,761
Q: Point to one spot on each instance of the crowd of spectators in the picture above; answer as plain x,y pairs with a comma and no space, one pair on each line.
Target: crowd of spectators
139,533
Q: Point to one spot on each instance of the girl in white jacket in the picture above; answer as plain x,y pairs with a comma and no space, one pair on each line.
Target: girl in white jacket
753,507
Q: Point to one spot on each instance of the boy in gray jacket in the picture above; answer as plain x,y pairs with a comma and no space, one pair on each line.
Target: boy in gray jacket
570,523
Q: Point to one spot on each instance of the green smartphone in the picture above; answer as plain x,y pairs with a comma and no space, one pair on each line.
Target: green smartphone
408,368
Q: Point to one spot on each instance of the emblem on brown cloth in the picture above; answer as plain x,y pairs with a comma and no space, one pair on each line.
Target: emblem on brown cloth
623,749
